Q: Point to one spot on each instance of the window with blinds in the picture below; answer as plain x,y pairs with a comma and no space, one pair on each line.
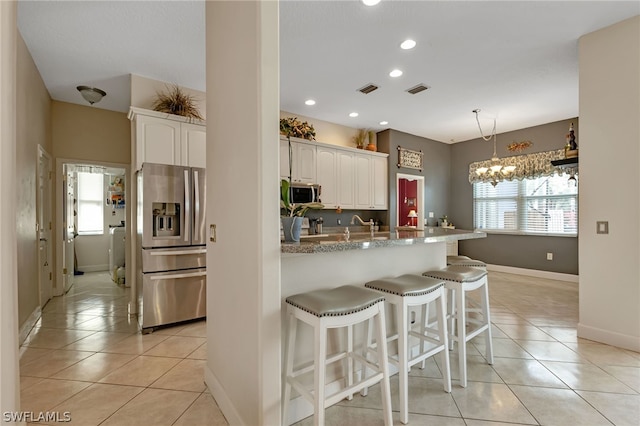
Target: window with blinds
90,204
539,206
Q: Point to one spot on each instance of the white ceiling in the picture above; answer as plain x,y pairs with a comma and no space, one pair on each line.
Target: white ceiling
517,61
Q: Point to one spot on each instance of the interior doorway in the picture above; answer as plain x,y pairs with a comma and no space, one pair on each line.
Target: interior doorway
91,203
410,201
44,226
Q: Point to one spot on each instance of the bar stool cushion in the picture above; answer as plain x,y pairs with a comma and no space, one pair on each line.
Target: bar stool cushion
465,261
456,273
337,301
406,285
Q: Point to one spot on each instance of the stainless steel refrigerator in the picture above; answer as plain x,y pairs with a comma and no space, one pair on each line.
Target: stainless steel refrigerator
171,215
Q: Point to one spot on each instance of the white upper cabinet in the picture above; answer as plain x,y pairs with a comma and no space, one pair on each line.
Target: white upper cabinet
371,182
326,160
164,139
349,178
302,161
194,145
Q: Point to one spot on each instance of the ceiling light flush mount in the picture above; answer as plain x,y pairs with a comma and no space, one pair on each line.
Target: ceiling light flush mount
91,94
384,123
395,73
408,44
496,171
353,114
370,2
309,102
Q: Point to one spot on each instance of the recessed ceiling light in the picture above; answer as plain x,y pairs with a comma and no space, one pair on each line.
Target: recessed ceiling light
309,102
395,73
353,114
408,44
384,123
370,2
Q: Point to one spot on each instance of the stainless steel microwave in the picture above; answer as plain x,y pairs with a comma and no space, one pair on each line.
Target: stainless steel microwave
304,193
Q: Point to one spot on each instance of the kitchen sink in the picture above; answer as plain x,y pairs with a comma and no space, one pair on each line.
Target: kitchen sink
356,237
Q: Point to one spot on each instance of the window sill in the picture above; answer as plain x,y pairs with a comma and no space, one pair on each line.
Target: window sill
528,234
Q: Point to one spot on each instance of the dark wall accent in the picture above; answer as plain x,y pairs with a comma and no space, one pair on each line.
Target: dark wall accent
522,251
436,172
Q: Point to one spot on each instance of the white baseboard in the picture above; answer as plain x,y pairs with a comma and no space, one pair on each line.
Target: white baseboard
25,329
609,337
217,391
534,273
93,268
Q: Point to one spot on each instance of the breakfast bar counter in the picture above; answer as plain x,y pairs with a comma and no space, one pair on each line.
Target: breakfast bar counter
364,240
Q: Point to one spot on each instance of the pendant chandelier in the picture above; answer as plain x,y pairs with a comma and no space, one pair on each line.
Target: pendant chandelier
496,171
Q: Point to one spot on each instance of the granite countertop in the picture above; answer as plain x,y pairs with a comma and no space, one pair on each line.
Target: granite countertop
363,240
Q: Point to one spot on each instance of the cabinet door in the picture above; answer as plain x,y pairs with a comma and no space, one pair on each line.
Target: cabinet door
304,162
346,179
380,186
284,159
193,145
157,141
363,182
327,176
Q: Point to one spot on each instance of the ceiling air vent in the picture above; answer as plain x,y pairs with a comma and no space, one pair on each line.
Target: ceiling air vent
417,89
368,88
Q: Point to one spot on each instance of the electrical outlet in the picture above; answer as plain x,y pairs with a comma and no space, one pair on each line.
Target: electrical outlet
549,256
602,227
431,214
339,222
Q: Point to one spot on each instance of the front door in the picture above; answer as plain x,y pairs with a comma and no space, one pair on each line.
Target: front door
43,226
69,233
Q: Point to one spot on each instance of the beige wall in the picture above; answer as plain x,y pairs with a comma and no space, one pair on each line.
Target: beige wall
33,119
609,63
88,133
144,91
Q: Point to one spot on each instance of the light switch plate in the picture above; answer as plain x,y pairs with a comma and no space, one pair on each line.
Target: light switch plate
431,214
602,227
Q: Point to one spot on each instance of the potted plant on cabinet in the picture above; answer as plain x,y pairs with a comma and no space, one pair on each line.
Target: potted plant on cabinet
292,214
360,138
371,146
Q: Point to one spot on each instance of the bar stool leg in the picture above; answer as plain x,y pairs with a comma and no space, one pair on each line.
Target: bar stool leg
319,373
487,317
368,332
288,369
441,311
349,359
424,323
403,356
461,319
384,365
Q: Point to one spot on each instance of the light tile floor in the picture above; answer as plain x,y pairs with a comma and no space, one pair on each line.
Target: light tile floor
86,357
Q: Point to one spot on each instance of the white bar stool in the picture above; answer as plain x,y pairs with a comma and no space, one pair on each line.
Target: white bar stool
334,308
405,292
460,280
466,261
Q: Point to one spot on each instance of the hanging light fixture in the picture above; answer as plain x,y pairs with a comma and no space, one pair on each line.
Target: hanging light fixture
496,171
91,94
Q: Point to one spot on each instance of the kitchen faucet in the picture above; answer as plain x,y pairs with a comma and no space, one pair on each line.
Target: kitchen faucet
362,222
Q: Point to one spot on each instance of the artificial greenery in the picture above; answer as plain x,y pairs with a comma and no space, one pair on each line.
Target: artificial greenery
291,126
360,137
175,101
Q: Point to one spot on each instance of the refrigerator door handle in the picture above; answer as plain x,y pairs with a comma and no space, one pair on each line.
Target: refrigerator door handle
176,252
187,203
196,208
174,276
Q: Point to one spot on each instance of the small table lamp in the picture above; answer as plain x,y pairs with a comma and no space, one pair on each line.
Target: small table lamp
412,217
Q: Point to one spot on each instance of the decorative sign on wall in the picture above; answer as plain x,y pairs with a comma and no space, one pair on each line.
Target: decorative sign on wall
409,159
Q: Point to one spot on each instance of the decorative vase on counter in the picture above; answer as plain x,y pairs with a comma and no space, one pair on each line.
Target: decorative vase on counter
291,225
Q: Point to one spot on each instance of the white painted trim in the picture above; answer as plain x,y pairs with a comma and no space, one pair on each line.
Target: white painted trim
28,325
94,268
534,273
223,401
609,337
